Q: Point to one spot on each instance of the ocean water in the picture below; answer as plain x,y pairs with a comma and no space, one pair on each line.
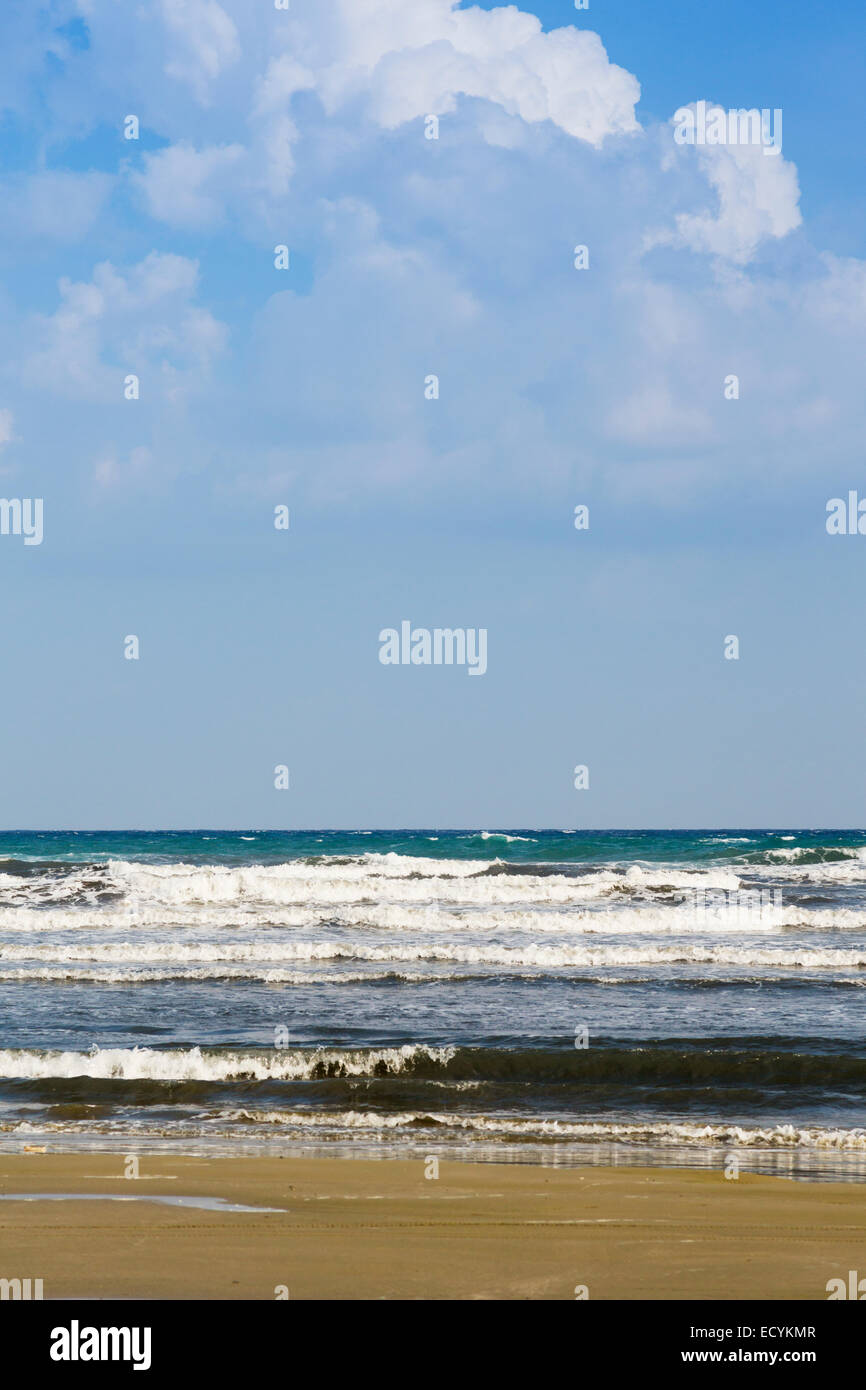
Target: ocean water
552,996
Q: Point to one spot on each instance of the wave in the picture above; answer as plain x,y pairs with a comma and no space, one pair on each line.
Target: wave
335,975
802,865
146,888
808,854
144,975
192,1064
390,865
266,879
439,1127
728,840
608,918
812,958
501,835
740,913
699,1062
430,1126
30,868
726,1136
347,881
483,887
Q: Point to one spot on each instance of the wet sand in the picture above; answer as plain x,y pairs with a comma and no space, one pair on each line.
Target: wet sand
354,1229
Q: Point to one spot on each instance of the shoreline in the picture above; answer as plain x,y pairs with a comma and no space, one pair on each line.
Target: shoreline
342,1228
803,1165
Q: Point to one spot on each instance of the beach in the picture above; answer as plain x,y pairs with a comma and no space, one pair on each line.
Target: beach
358,1229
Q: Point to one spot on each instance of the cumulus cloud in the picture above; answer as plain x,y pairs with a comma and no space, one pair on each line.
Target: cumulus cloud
143,319
756,198
412,257
399,61
417,59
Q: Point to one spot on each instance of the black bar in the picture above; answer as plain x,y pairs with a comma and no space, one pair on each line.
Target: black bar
246,1338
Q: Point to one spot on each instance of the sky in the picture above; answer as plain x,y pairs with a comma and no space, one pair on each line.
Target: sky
303,387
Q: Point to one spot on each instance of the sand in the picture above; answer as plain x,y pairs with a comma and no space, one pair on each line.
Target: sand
354,1229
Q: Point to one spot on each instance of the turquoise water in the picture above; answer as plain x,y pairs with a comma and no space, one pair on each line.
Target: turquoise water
515,846
559,996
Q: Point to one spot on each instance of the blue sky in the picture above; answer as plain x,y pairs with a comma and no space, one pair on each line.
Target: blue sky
305,387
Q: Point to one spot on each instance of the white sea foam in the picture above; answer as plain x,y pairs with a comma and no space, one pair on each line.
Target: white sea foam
796,865
441,1128
361,866
656,1133
605,916
148,893
257,887
602,919
529,953
410,880
501,835
335,974
791,856
191,1064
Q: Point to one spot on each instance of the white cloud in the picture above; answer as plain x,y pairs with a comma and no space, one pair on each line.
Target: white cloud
756,195
373,64
419,58
757,199
187,187
453,258
143,319
403,61
283,77
838,300
277,131
204,42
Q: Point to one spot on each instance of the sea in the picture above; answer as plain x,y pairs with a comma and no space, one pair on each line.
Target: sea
564,997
